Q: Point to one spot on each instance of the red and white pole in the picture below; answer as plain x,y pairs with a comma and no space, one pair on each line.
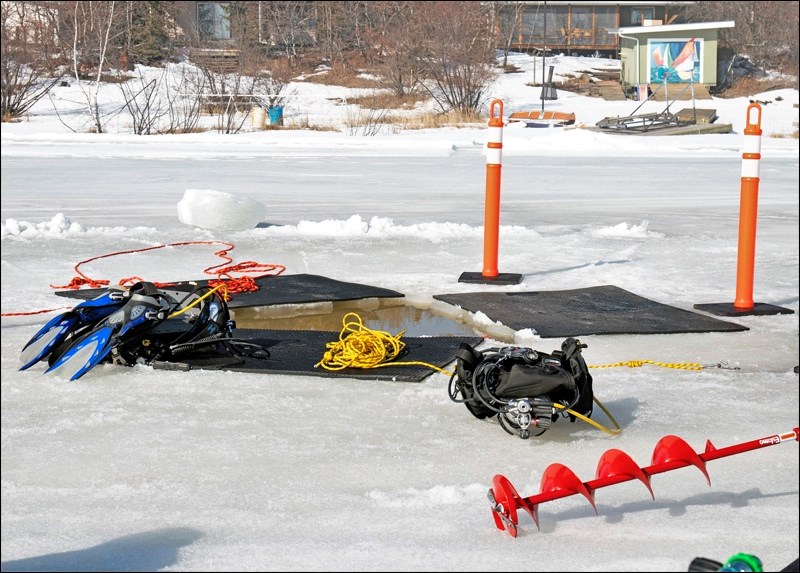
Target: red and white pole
748,214
748,209
494,166
491,217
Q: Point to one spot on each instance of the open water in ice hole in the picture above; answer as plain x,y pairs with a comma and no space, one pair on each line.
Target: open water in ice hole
394,319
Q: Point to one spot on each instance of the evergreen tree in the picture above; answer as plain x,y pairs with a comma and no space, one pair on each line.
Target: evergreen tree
149,39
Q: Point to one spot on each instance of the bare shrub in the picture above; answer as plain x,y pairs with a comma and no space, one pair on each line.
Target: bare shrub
458,54
93,28
229,96
144,101
184,100
24,65
367,122
399,49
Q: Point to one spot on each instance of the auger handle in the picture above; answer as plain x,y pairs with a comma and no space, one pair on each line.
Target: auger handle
712,453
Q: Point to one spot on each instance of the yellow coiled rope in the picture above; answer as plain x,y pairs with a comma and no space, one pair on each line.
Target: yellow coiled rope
362,347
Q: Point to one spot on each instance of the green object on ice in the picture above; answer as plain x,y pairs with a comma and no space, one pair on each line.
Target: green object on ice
743,562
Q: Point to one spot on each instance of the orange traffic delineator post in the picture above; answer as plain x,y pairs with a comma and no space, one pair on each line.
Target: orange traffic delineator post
491,233
748,217
615,466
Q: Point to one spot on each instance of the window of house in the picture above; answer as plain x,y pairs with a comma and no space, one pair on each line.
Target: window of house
605,20
213,22
640,14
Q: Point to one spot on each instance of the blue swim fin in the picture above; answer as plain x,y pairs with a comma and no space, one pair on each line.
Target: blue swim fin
140,312
60,327
84,354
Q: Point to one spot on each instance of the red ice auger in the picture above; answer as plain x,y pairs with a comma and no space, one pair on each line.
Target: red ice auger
615,466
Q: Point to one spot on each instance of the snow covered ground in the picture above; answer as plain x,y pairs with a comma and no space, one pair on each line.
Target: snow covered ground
140,469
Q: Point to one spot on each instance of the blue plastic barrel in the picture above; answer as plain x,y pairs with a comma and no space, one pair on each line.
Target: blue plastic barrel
276,115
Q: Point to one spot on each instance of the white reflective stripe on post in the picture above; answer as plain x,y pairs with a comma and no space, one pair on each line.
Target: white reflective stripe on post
751,155
750,168
752,144
494,149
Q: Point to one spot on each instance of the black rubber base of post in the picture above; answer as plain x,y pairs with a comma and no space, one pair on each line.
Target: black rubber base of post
500,279
727,309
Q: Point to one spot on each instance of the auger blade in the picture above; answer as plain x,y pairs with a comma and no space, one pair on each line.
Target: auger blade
559,478
615,463
614,466
672,452
505,501
502,520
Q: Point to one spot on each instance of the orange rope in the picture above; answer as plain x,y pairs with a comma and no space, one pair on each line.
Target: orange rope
35,311
222,272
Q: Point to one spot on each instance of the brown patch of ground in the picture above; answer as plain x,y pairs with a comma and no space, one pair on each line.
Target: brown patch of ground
747,87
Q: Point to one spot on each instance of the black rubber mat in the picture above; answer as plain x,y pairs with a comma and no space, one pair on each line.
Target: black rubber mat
727,309
280,289
595,310
297,351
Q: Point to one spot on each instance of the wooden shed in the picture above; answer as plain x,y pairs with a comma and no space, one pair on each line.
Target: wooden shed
657,56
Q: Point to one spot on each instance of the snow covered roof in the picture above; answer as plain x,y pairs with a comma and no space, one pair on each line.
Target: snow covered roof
675,27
